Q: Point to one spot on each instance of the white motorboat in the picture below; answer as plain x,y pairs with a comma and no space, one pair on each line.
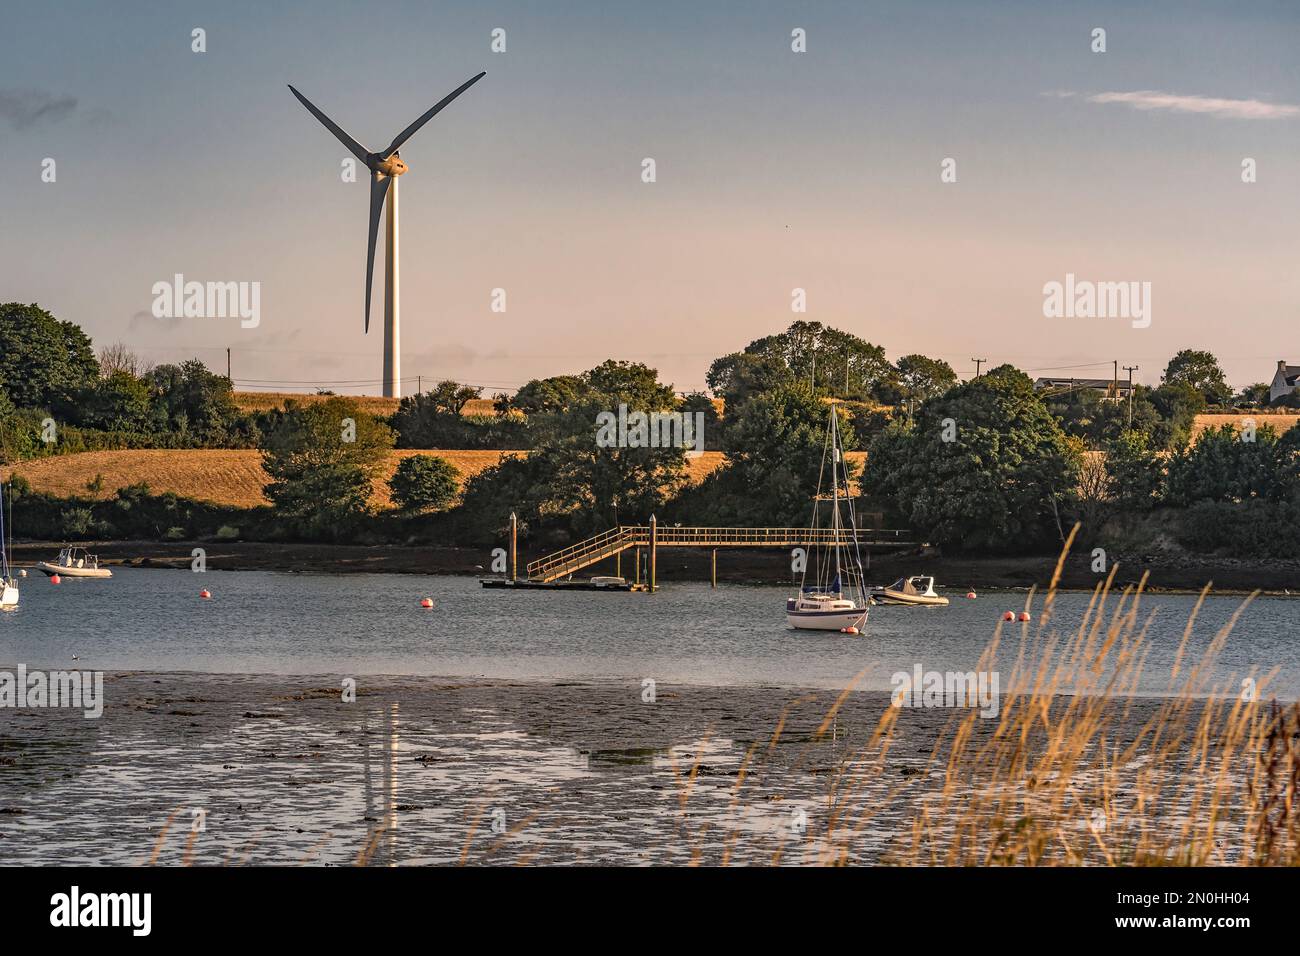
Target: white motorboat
74,563
835,599
917,590
8,582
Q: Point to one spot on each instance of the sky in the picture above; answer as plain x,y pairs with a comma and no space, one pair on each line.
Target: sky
775,170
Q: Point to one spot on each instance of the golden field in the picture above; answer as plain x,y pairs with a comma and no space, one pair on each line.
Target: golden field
229,477
1281,421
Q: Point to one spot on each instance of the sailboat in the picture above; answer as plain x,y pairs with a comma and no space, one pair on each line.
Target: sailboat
8,583
836,598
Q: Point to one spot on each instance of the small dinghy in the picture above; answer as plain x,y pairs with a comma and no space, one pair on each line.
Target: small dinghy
74,563
836,599
914,590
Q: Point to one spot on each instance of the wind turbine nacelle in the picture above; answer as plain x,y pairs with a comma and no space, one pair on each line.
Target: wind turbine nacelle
392,166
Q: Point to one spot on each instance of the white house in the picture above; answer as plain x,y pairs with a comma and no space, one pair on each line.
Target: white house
1285,380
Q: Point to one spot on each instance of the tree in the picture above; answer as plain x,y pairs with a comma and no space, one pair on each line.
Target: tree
424,483
118,358
1254,396
1198,370
1226,465
194,403
983,466
835,363
321,459
572,476
1135,470
44,363
711,423
435,418
1177,404
118,402
921,378
548,394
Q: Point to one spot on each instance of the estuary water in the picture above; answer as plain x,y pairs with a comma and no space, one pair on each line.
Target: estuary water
368,624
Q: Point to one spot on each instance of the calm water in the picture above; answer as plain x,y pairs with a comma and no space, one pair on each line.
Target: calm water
261,622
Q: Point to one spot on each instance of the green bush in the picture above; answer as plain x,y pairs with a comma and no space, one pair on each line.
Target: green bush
424,483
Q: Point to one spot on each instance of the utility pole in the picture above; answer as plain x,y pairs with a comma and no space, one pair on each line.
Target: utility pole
978,363
1114,378
419,384
228,366
1130,369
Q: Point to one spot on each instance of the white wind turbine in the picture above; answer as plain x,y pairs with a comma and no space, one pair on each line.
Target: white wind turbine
384,168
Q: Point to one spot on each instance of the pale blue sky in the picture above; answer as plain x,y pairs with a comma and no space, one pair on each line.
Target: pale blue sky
776,170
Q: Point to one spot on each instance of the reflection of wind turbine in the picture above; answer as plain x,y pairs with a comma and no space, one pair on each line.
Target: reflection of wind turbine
384,168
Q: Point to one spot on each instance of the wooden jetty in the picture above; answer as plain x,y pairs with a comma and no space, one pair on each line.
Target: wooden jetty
547,571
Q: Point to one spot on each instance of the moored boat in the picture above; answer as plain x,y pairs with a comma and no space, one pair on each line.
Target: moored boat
74,563
836,599
917,590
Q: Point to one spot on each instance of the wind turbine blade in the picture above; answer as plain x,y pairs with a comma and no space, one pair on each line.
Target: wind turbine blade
378,193
355,148
406,134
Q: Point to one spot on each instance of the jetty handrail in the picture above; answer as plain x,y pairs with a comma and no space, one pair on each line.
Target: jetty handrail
609,543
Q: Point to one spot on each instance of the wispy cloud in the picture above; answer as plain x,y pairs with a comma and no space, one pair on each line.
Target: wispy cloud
1206,105
25,108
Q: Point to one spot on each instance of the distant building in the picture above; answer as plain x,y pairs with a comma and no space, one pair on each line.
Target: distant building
1285,380
1105,387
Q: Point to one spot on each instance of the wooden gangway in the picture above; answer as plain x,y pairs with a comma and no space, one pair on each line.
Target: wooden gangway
609,543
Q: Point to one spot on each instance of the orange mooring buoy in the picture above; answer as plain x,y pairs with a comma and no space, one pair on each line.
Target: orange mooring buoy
1024,616
848,630
1009,616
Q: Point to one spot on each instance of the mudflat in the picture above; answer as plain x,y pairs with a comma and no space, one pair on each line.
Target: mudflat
187,768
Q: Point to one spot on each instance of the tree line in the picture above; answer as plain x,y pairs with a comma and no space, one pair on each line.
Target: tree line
986,465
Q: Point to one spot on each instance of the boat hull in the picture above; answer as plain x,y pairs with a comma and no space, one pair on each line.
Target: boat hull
886,596
8,597
52,569
826,620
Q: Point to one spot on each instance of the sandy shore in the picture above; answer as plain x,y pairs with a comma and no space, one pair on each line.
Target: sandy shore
212,769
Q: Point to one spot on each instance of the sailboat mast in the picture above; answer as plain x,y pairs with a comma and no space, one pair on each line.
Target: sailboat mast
835,492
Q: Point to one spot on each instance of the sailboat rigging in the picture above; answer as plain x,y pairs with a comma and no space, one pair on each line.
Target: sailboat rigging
837,599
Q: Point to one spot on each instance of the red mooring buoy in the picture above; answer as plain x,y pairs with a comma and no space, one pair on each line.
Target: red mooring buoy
1024,616
55,579
970,595
205,594
1009,616
427,603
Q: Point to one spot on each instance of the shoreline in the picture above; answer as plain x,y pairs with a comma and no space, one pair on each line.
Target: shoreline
1168,573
